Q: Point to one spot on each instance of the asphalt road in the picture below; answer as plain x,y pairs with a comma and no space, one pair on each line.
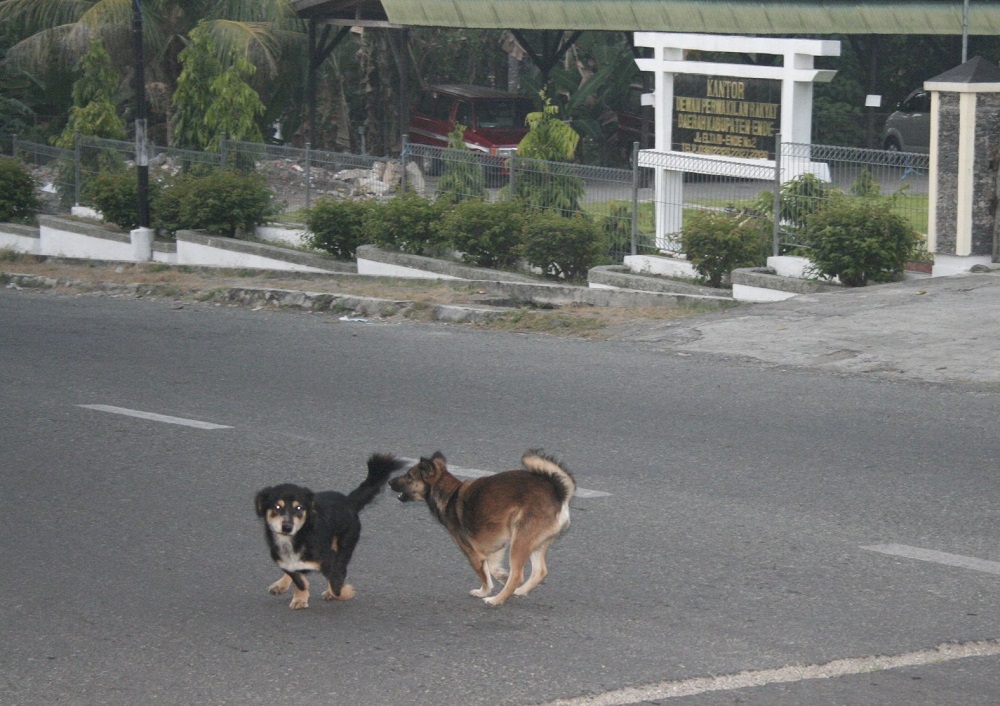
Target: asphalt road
724,553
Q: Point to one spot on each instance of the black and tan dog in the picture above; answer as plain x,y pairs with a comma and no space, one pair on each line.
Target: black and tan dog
523,510
309,531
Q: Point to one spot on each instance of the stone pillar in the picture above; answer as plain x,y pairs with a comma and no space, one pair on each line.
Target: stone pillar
964,161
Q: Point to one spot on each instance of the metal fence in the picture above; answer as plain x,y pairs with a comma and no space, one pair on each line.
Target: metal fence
862,173
602,193
641,210
801,179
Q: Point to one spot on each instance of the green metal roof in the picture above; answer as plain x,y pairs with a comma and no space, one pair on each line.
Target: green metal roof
716,16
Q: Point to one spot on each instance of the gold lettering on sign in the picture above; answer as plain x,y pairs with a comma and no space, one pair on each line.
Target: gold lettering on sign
725,89
726,120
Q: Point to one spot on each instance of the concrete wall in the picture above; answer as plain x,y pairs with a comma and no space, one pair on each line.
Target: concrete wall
63,237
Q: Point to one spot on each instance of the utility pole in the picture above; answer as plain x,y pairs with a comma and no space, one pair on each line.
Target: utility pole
141,157
965,31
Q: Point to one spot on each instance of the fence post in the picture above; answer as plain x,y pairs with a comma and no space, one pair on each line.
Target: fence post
404,157
776,233
635,198
76,168
308,175
222,152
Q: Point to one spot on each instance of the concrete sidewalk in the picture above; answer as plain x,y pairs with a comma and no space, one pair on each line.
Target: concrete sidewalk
944,329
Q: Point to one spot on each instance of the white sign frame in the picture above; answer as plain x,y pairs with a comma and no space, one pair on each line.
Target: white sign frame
796,73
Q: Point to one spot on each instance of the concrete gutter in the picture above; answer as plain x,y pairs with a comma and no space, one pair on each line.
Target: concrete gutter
622,277
273,252
429,265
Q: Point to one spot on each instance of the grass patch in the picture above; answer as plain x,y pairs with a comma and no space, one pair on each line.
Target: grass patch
545,321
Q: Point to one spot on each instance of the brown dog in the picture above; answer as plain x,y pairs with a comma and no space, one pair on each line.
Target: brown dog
524,510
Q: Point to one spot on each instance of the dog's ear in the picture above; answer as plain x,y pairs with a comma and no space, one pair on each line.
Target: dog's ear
440,464
262,500
428,468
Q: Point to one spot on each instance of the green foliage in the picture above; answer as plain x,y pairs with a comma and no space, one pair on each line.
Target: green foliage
617,228
166,211
463,176
93,112
860,240
213,96
16,118
193,95
717,242
18,198
550,186
801,197
548,138
221,202
116,196
407,222
487,234
336,225
235,106
225,201
866,184
563,247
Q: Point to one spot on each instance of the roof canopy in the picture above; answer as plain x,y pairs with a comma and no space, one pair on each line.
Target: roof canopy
809,17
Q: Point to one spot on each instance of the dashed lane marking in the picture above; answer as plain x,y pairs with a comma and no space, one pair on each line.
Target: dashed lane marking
947,652
962,562
154,417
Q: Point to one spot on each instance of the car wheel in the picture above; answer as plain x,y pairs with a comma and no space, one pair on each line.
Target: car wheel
891,145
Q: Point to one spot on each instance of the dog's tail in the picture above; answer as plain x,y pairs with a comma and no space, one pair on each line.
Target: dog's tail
380,467
562,480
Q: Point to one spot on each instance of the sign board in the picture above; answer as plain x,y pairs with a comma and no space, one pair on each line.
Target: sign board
726,116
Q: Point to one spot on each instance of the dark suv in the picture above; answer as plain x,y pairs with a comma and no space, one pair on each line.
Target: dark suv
908,129
494,120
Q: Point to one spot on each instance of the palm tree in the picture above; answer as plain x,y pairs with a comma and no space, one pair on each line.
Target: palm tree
263,33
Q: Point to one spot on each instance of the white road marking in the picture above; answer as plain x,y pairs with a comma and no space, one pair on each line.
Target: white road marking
476,473
947,652
962,562
154,417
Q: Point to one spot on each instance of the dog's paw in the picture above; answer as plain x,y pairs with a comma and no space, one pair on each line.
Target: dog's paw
500,573
494,602
299,603
346,594
278,587
479,592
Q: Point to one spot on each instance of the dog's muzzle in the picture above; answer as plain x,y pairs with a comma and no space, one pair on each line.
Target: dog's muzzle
397,486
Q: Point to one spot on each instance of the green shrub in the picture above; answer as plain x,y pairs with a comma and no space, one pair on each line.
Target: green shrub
336,225
860,240
463,175
717,242
116,196
617,227
166,205
563,247
221,202
800,198
18,198
487,234
408,223
866,184
551,186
